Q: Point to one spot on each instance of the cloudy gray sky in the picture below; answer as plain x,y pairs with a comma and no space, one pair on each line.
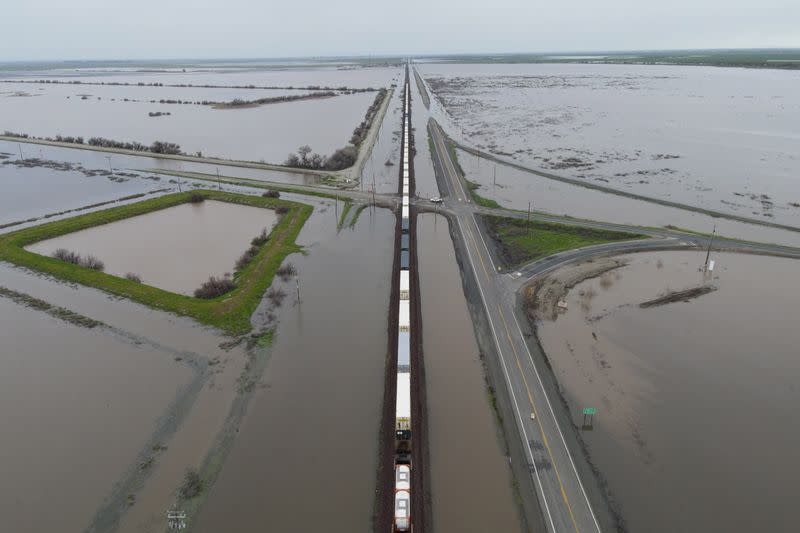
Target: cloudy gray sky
145,29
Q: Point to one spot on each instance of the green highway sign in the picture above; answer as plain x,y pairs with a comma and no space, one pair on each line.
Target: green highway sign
589,410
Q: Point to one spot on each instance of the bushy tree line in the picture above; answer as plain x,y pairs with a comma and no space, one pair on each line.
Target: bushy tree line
340,159
157,147
360,133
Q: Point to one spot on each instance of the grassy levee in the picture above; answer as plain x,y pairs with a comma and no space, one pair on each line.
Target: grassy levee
230,312
478,199
518,242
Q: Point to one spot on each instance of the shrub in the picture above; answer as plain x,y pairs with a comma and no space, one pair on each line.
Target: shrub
246,257
342,158
260,239
215,287
286,271
65,255
133,277
161,147
192,485
271,194
93,263
196,198
281,209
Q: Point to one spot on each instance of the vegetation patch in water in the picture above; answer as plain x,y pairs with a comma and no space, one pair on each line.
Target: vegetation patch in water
58,312
229,312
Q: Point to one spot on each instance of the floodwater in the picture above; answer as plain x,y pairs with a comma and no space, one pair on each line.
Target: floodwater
134,93
514,189
76,407
424,175
97,160
175,249
471,481
32,192
724,139
297,76
385,150
696,424
266,133
307,451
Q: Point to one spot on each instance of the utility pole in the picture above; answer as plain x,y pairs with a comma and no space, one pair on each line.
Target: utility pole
179,184
20,151
109,164
219,184
528,225
708,252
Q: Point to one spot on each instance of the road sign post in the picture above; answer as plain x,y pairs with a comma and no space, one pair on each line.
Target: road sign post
588,412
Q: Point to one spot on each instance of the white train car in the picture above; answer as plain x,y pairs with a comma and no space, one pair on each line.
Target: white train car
402,510
402,490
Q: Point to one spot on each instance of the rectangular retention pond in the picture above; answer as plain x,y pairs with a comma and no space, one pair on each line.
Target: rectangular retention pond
175,249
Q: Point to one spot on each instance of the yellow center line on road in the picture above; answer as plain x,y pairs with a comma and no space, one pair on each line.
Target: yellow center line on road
478,252
538,420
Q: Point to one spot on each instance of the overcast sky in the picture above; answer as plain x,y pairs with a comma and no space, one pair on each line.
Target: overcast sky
151,29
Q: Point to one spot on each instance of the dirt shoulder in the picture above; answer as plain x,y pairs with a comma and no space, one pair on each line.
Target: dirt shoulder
542,297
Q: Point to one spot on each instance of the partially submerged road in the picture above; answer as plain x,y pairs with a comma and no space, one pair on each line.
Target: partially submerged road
568,495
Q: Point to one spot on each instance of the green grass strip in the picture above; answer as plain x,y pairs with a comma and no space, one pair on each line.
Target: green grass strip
230,312
478,199
519,242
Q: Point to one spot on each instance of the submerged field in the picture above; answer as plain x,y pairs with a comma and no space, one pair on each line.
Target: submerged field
720,139
75,414
150,105
694,398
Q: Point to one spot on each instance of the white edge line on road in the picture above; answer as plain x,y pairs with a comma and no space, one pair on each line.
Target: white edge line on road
569,455
508,379
547,399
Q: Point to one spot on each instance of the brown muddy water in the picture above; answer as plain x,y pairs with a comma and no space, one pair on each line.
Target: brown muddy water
306,454
76,407
724,139
175,249
515,188
470,476
696,428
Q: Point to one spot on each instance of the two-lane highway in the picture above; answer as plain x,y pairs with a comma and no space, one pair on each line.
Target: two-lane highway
561,494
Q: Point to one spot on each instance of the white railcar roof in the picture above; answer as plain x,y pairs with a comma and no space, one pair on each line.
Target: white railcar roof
405,314
403,409
405,283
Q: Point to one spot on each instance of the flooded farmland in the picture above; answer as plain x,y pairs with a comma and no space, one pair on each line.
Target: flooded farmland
176,248
76,407
695,427
265,133
30,192
322,75
471,481
99,161
307,450
514,189
723,139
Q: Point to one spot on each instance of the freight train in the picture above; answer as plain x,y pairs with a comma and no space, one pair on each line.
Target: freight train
402,428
